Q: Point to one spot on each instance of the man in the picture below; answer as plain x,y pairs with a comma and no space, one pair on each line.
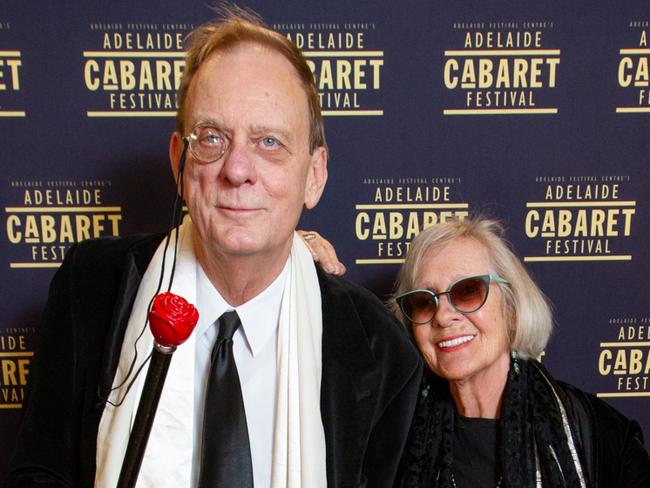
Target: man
328,379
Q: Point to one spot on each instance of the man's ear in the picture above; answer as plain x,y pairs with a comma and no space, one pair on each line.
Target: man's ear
316,177
175,151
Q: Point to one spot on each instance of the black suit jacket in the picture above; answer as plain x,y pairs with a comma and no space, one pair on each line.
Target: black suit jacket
371,372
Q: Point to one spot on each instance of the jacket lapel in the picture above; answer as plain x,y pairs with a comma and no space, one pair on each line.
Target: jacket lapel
134,265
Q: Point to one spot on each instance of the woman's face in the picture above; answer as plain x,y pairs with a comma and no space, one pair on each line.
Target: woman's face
460,347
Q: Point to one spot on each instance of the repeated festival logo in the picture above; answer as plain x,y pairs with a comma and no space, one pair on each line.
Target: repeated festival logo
11,66
394,210
501,68
16,354
347,60
133,70
47,217
580,218
634,70
624,358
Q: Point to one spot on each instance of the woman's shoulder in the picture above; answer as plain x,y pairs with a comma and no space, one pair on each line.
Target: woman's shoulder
582,404
611,442
586,409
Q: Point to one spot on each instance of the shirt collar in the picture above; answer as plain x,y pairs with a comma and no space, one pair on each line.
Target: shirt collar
259,316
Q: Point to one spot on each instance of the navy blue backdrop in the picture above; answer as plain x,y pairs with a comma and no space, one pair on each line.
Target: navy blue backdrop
533,112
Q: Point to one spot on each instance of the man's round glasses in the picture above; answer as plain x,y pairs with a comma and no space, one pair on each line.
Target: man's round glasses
466,296
207,143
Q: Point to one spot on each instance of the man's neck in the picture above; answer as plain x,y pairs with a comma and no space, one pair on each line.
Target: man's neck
239,278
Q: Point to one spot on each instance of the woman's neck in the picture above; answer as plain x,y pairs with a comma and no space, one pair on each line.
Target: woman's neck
480,396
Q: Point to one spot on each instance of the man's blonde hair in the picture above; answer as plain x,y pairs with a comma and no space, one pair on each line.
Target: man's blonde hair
234,27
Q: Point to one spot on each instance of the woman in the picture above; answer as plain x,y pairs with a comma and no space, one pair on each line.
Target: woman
488,413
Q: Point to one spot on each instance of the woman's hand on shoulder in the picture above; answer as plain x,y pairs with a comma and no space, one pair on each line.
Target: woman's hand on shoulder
323,252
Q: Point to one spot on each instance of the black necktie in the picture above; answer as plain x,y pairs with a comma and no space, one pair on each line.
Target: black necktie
226,455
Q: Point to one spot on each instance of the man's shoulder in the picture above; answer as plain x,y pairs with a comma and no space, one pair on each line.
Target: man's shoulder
347,305
120,244
104,252
345,293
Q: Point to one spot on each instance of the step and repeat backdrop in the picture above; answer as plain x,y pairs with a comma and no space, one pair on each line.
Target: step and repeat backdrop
533,112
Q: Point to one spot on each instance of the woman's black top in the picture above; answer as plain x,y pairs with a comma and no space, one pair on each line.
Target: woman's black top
475,448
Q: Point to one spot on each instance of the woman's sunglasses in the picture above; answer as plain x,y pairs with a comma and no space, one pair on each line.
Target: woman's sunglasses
466,296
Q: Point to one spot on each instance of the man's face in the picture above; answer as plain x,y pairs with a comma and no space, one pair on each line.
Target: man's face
249,201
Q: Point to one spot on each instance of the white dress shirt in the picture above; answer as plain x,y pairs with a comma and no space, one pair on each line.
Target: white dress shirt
254,348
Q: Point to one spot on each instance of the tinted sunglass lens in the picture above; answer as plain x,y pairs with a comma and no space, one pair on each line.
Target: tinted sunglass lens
419,307
468,295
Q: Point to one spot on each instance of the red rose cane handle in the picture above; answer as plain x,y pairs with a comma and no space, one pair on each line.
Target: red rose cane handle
171,319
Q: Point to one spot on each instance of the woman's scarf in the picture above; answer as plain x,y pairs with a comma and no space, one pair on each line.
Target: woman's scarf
537,446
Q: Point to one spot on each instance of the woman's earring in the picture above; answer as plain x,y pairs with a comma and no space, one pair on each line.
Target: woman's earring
515,361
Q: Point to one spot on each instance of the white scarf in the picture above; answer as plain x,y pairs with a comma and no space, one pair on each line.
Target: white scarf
299,439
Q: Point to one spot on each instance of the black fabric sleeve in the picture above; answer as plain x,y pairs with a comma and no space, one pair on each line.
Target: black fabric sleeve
47,444
389,434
